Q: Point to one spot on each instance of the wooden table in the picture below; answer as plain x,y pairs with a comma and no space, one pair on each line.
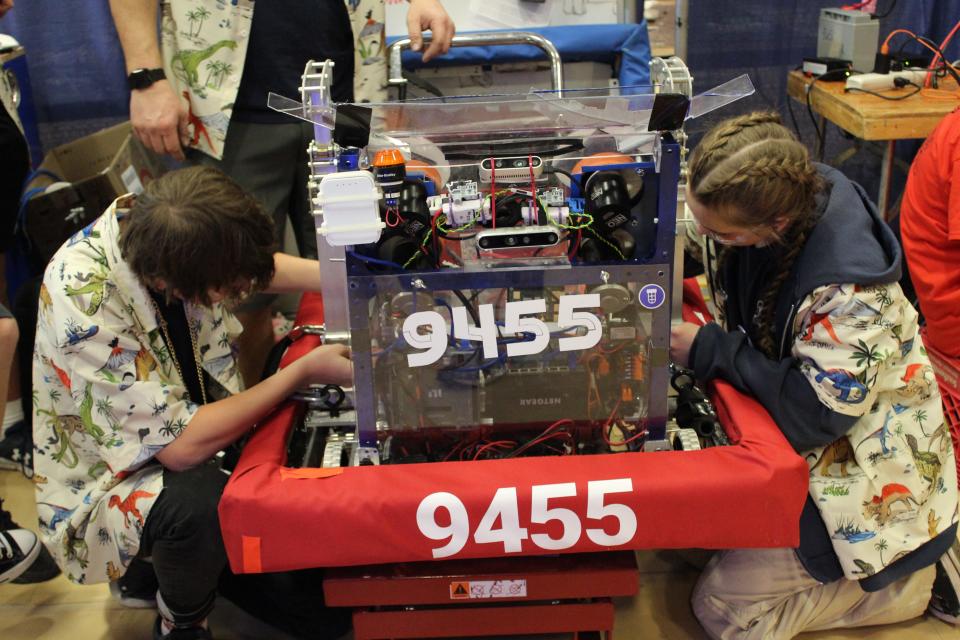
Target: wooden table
871,118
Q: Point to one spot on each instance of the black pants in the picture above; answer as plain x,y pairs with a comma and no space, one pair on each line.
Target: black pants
182,535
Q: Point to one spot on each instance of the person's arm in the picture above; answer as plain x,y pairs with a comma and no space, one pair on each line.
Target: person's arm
158,116
294,275
817,393
430,14
220,423
780,386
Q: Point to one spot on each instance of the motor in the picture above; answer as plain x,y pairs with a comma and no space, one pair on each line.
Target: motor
607,201
694,409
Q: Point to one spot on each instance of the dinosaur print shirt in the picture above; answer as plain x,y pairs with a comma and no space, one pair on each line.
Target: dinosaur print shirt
204,46
107,398
851,388
889,485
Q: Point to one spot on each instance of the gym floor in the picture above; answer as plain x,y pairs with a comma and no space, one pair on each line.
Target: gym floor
59,609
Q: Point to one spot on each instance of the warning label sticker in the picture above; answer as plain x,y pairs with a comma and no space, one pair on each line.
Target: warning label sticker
479,589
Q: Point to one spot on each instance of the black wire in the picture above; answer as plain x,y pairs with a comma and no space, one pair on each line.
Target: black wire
526,445
933,45
470,308
793,117
459,238
473,356
816,127
880,95
943,58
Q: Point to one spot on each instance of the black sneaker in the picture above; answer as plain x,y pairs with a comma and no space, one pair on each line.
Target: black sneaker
180,633
16,449
945,599
43,567
137,588
18,549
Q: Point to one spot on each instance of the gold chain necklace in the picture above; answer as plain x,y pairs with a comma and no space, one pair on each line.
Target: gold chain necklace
173,354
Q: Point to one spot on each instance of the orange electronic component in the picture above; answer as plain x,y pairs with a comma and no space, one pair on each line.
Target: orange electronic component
389,170
429,171
601,159
387,158
639,361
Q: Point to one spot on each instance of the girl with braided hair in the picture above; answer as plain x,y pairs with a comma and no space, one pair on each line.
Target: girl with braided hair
817,329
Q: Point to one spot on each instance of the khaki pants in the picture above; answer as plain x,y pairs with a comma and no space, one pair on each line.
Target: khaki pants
767,594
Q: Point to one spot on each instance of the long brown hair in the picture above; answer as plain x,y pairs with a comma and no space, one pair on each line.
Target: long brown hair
752,172
197,230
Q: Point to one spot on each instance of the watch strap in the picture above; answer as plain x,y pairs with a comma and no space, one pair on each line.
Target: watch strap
143,78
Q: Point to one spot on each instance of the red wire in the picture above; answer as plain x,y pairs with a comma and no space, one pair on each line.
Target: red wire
452,451
573,247
612,414
533,191
557,424
851,7
640,434
936,57
540,437
498,444
552,436
393,217
493,192
606,430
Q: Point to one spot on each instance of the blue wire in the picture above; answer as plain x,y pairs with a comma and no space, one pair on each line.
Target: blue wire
42,172
377,261
486,365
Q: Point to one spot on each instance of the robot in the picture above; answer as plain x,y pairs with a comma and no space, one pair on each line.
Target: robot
502,268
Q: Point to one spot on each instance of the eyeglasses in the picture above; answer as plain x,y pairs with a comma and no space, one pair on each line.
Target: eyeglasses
730,238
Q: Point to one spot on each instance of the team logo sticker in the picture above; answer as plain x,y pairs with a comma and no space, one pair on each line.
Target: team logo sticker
652,296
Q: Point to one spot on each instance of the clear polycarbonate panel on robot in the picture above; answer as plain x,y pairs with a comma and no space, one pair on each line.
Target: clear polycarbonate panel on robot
504,279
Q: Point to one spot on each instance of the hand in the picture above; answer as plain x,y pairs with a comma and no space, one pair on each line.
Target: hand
430,14
5,5
159,119
328,364
681,338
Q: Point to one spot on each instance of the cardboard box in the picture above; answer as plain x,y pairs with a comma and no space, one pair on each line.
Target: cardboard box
661,16
94,170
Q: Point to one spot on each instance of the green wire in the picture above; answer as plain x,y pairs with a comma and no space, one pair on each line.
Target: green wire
443,218
579,226
607,242
419,252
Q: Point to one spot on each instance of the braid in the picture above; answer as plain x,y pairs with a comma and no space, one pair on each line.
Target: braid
795,239
754,164
752,173
716,141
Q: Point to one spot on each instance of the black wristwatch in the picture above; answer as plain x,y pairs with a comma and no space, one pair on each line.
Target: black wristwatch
143,78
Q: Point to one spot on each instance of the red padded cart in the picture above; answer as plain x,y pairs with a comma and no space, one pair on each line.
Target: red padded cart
276,518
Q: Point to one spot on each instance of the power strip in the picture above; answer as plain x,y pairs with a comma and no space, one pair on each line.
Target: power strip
880,81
